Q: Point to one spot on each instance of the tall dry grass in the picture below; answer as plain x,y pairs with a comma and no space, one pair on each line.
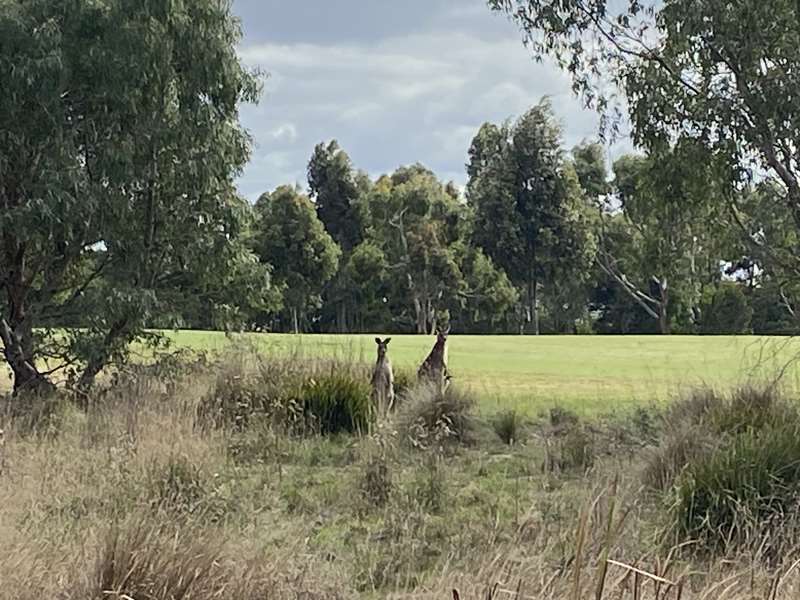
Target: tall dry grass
141,497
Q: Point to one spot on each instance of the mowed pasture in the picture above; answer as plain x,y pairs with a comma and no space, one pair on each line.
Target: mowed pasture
588,374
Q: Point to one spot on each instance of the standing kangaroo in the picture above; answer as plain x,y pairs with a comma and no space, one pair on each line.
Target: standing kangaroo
434,369
383,379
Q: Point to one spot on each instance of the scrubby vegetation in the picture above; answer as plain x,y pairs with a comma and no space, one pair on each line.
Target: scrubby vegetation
225,480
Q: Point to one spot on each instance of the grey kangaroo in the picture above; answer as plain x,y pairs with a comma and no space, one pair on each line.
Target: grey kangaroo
383,379
434,368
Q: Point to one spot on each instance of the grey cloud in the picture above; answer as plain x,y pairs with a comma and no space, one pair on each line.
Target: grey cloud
416,92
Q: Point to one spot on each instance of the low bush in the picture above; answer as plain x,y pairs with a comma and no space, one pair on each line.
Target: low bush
336,403
507,425
292,394
679,447
432,416
742,492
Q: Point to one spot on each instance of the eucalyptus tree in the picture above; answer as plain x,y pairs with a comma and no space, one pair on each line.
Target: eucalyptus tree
723,74
530,219
304,257
119,144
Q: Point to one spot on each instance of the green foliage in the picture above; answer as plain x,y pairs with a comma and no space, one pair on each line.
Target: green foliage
662,249
507,425
589,162
336,195
530,221
116,175
743,491
419,226
702,79
727,311
338,402
291,237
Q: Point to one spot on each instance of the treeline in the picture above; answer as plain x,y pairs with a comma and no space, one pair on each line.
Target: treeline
119,211
542,240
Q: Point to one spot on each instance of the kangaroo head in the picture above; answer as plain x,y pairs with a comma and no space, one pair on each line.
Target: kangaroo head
382,346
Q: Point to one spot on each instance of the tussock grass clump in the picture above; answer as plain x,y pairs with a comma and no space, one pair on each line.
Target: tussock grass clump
730,466
679,447
569,443
745,492
338,402
507,425
705,420
147,560
753,408
432,416
294,394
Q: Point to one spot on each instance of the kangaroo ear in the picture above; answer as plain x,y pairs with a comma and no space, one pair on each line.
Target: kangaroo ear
387,340
378,341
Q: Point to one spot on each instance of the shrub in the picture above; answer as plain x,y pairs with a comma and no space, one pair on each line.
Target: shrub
576,450
432,416
742,491
562,418
293,394
507,426
338,402
727,311
752,408
681,446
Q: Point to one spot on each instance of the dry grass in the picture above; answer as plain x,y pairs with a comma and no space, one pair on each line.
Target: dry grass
131,499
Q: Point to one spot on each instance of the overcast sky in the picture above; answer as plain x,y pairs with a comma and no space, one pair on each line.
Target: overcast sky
395,82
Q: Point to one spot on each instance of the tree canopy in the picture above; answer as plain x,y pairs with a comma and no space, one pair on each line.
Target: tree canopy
119,143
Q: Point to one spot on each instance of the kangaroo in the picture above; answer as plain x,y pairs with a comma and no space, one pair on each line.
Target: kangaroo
434,368
383,379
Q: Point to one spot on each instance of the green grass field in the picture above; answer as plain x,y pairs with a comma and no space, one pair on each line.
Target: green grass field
589,374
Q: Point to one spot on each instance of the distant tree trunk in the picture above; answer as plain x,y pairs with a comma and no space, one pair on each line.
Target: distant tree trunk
532,304
663,305
17,332
535,307
421,316
295,321
341,316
